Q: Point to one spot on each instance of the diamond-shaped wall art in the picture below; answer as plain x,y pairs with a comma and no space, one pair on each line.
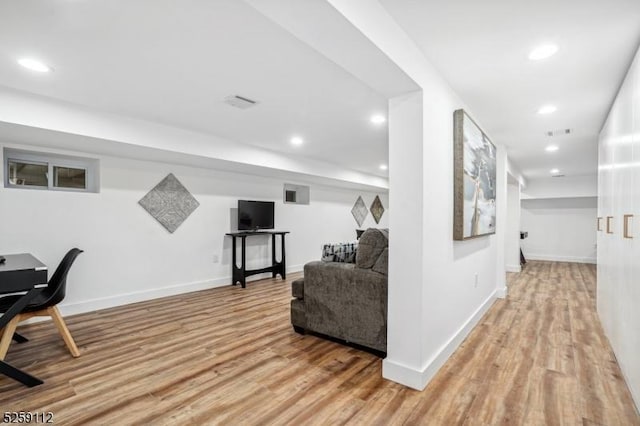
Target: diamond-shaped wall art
377,210
359,211
169,203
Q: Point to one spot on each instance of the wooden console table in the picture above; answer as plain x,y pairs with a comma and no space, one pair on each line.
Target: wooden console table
240,274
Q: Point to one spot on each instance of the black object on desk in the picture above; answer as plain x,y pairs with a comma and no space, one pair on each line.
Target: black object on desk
523,261
240,274
20,273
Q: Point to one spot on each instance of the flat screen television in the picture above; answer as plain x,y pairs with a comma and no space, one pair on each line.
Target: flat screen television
255,215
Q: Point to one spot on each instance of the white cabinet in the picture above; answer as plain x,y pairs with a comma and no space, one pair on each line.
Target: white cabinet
605,165
632,371
619,234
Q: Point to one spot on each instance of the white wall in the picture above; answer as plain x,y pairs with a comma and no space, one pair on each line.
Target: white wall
438,288
502,178
619,257
516,174
129,256
561,229
560,216
513,224
562,187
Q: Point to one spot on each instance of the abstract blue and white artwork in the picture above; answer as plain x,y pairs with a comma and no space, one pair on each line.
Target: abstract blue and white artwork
474,180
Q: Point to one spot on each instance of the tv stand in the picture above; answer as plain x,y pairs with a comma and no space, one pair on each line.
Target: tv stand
240,274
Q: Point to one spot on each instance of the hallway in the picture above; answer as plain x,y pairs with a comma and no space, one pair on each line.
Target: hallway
538,357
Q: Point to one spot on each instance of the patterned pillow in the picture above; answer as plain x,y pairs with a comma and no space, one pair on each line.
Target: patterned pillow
340,252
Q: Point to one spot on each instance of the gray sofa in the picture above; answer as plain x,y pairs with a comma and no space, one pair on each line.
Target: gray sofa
346,301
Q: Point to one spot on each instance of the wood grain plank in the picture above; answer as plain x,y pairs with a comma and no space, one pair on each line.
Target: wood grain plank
229,356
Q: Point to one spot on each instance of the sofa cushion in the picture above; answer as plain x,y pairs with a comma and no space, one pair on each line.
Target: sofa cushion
370,247
382,264
297,288
340,252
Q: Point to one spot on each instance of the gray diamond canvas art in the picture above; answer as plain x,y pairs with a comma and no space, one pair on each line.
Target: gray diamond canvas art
359,211
377,210
170,203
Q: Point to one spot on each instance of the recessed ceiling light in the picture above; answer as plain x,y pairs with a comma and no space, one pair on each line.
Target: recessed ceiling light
554,171
543,52
378,119
551,148
296,141
34,65
384,167
547,109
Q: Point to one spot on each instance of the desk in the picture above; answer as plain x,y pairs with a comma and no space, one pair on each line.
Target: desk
240,274
20,273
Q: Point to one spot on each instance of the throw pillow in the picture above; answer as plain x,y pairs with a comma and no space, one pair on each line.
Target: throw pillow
340,252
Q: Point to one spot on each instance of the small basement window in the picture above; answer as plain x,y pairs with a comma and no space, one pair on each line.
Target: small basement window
39,170
296,194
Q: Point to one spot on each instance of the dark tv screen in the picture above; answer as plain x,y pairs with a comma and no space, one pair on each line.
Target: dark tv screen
254,215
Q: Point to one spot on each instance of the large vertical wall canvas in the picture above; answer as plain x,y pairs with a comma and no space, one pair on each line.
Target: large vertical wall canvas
474,180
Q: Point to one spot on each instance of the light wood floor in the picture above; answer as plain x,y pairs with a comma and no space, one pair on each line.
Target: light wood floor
229,356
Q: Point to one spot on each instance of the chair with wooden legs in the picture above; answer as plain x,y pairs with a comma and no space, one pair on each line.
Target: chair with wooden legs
44,304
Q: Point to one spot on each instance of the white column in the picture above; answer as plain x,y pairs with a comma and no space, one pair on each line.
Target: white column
406,239
512,243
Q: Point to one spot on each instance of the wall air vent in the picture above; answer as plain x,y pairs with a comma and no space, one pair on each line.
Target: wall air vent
240,101
560,132
558,176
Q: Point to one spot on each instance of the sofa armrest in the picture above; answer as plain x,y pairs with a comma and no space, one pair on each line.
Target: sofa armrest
346,302
297,288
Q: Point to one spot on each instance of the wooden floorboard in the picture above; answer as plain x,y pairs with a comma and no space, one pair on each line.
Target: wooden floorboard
229,356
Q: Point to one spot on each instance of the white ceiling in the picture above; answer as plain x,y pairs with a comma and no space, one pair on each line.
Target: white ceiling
482,48
174,62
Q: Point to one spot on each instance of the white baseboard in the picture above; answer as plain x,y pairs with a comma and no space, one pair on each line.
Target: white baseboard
402,374
418,379
501,293
143,295
513,268
554,258
624,368
635,395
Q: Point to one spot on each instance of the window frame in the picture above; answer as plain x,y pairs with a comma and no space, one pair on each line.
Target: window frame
53,186
8,183
90,166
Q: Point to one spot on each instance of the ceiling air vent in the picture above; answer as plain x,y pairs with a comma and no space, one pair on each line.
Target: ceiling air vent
560,132
558,176
239,101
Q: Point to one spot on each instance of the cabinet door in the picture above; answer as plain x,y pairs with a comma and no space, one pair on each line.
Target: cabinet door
604,242
623,175
633,334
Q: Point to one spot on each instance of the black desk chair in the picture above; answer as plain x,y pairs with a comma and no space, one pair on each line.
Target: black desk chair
44,304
